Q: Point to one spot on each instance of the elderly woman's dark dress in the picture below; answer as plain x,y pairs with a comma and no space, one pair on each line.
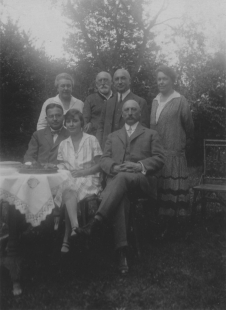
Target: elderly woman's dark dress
173,121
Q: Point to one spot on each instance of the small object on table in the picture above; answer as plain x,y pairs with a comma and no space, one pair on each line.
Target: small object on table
37,168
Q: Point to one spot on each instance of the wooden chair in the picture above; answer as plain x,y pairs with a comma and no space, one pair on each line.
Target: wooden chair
212,185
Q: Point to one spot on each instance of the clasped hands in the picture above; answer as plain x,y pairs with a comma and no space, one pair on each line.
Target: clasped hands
127,166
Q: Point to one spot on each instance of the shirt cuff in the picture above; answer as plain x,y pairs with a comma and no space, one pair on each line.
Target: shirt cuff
144,171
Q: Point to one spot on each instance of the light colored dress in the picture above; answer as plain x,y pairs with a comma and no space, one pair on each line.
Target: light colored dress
74,104
173,121
88,149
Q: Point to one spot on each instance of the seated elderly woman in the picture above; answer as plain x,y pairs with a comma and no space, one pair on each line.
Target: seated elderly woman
80,153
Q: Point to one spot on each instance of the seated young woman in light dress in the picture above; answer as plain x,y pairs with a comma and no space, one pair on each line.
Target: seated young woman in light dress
80,153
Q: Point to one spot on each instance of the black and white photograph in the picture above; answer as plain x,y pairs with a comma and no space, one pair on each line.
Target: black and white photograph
112,154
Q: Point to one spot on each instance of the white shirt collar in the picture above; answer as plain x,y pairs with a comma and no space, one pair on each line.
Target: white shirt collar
175,94
123,95
134,126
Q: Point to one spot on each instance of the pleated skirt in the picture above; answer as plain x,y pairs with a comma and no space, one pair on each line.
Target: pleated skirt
173,186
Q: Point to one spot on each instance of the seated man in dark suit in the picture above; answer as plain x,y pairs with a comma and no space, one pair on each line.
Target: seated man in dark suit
132,156
43,146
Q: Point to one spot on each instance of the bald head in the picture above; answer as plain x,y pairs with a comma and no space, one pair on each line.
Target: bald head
103,83
103,75
121,80
131,103
121,72
131,112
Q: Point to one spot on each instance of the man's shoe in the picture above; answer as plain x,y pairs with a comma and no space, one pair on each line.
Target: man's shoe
91,228
122,261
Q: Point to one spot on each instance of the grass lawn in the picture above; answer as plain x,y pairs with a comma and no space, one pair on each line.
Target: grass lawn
181,273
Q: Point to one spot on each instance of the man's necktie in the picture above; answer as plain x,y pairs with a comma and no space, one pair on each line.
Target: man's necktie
129,131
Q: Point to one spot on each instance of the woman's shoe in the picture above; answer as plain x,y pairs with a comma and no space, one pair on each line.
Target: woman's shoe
74,234
65,247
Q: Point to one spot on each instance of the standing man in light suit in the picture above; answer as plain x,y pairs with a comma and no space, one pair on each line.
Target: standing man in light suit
132,156
111,117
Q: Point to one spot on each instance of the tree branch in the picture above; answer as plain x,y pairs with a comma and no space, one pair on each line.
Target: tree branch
153,21
92,45
166,21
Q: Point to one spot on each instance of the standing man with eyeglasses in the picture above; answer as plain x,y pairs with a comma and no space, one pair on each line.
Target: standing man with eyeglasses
94,103
111,117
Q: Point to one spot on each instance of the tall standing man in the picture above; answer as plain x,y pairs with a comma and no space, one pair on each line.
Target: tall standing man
132,156
94,103
111,117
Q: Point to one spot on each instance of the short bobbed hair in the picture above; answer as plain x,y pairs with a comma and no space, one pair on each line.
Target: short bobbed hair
167,71
71,115
65,76
54,105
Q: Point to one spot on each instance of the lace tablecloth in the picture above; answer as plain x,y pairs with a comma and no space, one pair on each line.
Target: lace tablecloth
33,194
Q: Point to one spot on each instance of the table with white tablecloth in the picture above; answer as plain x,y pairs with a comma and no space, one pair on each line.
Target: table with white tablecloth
33,194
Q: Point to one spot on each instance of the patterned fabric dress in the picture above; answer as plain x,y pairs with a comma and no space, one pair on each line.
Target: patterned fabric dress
175,126
82,159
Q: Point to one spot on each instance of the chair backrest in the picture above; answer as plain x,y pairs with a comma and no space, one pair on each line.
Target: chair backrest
214,161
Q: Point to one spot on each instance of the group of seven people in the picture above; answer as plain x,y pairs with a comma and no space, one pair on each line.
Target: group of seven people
115,133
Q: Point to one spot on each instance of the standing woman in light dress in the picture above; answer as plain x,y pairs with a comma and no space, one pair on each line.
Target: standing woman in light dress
64,84
80,153
172,119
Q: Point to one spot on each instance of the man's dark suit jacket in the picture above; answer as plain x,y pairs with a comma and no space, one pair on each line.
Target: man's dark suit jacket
41,147
144,146
111,119
93,106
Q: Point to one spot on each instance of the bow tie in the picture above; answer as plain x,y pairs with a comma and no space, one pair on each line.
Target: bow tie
55,132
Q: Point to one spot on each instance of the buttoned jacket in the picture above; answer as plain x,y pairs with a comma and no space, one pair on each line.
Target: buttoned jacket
93,106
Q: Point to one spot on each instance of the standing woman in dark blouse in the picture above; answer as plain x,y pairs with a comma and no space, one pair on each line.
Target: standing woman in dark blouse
171,118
